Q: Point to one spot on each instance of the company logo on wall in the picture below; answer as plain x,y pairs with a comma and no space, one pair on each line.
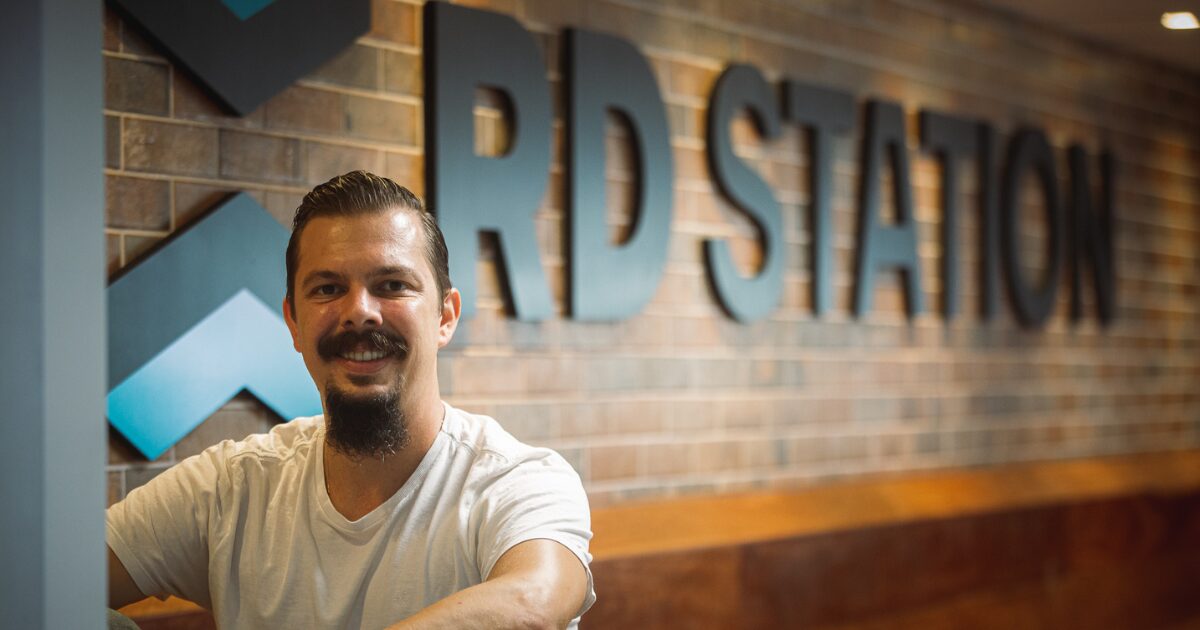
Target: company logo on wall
196,323
247,51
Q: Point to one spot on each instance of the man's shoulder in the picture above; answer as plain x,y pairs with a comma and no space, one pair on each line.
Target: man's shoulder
285,441
488,442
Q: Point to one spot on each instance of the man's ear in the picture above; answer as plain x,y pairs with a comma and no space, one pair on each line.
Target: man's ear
451,310
290,319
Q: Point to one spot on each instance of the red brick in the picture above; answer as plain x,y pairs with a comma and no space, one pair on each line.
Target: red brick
612,462
170,148
112,30
112,249
136,203
324,161
357,66
402,73
112,142
686,122
407,170
380,120
306,109
555,13
690,163
194,200
669,459
136,247
257,157
121,452
507,7
135,42
135,86
192,101
650,29
282,206
691,80
231,422
488,375
396,22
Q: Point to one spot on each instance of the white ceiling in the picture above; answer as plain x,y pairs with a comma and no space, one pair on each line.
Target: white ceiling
1130,25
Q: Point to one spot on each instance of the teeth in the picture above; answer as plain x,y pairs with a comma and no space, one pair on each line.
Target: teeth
371,355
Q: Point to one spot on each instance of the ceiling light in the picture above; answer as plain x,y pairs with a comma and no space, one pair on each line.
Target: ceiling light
1183,20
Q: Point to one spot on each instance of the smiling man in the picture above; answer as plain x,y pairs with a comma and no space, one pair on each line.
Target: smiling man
392,509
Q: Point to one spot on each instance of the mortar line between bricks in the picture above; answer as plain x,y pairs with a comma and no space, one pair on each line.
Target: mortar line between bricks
135,232
1058,45
708,439
904,70
340,140
845,170
158,61
231,184
898,319
391,97
382,44
1006,356
830,391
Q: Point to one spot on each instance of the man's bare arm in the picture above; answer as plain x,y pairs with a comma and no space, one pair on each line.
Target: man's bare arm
536,584
121,588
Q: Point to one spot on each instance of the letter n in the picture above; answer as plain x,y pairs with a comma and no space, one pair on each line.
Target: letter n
1091,237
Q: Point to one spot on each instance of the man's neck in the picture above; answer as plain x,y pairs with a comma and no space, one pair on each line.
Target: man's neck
356,485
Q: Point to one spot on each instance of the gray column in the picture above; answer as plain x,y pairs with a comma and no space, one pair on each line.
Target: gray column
52,325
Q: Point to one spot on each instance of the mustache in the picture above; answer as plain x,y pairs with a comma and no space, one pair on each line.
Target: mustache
386,341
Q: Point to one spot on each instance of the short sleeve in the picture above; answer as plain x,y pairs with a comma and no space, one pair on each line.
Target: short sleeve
160,532
539,498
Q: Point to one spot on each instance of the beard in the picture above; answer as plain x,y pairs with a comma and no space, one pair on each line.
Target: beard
364,424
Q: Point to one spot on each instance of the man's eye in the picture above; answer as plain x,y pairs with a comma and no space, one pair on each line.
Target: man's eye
394,286
325,290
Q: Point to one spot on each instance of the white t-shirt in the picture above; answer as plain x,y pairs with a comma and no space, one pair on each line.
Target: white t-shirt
246,529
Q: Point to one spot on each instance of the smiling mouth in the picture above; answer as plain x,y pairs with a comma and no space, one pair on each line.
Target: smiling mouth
364,356
362,351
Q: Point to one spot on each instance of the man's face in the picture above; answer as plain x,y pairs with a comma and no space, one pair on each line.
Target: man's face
368,317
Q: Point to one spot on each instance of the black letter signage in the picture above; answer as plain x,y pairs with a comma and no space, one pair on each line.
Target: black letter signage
613,283
465,49
881,246
1027,150
1091,236
952,140
989,222
825,113
746,299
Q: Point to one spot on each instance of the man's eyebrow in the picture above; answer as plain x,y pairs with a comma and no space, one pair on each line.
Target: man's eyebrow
394,270
321,274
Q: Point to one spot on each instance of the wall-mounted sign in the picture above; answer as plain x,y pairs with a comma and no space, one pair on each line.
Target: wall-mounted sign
247,51
197,322
466,49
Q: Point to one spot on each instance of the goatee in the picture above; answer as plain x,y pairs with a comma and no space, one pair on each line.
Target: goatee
365,425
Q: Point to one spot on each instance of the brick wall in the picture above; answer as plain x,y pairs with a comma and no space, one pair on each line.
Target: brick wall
681,399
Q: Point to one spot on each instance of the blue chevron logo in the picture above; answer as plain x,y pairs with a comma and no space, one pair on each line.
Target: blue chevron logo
245,9
196,323
246,51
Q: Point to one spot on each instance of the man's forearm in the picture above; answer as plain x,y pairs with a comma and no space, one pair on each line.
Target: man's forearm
496,604
537,584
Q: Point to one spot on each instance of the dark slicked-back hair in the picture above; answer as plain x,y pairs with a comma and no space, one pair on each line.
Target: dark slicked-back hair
358,193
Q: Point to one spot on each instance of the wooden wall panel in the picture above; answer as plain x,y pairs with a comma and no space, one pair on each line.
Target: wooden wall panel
1125,562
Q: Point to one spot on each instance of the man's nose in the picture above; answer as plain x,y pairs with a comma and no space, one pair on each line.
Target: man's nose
361,309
